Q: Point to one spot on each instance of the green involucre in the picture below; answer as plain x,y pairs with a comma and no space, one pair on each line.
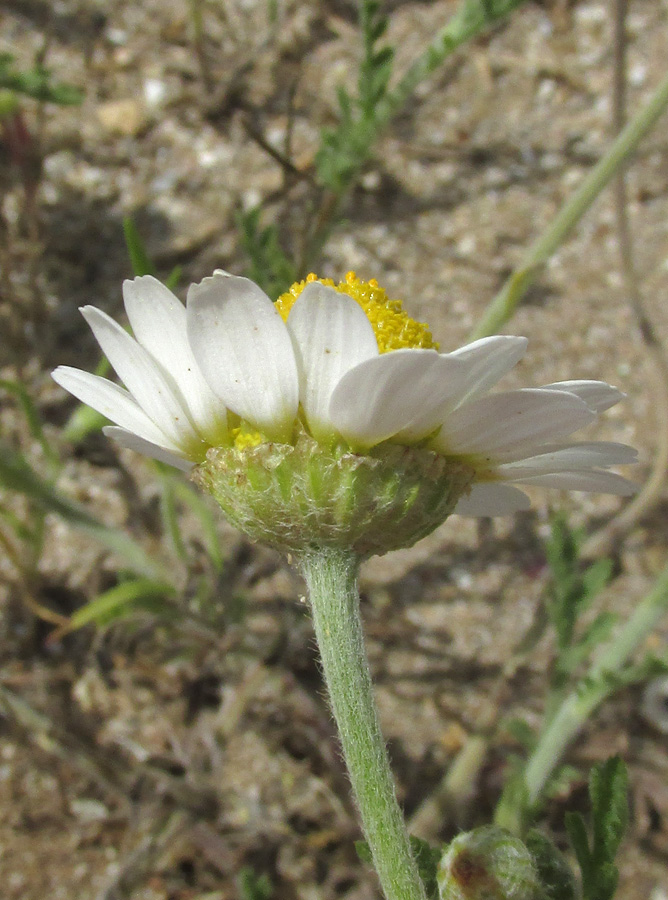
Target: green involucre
301,496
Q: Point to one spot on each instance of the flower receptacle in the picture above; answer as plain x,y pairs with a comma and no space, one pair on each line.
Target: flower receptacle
306,495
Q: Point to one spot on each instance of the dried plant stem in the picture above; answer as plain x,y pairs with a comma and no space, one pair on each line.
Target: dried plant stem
199,44
166,828
331,577
619,154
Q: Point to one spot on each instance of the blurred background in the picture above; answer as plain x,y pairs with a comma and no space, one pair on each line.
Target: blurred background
163,729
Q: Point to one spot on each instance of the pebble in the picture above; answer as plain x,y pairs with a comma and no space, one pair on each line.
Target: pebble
125,118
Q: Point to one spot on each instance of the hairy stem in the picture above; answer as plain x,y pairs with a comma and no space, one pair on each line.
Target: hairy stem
331,576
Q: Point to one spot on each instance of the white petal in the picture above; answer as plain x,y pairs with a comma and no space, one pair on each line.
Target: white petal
384,396
594,454
136,368
158,320
331,335
492,500
487,361
133,442
110,400
598,395
605,482
244,351
511,423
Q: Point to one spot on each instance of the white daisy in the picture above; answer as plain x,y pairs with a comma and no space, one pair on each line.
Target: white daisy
353,369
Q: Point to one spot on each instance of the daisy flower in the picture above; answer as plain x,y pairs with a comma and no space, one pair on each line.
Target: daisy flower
346,367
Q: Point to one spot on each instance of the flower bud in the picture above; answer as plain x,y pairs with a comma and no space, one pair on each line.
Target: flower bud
488,863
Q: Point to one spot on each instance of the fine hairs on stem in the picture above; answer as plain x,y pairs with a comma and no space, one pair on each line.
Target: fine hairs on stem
331,577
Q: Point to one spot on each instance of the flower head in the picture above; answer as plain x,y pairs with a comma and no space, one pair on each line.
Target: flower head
337,371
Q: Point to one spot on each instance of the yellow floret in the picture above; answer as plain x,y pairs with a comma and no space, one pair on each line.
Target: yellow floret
243,438
394,328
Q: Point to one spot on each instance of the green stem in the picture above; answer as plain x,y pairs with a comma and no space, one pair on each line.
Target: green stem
472,17
503,305
575,710
331,576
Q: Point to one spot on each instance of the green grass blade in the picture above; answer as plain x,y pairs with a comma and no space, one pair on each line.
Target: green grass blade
16,475
113,603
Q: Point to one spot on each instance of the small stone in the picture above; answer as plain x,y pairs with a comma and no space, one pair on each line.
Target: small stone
122,117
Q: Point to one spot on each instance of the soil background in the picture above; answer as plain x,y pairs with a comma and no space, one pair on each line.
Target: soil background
157,758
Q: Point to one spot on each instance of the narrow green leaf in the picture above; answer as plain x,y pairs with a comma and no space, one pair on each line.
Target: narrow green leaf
596,577
253,886
608,788
170,516
32,416
112,603
38,84
270,267
427,859
174,277
555,875
363,852
141,263
522,732
16,475
577,833
206,518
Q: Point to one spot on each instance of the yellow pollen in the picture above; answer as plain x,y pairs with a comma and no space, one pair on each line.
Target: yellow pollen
393,327
243,438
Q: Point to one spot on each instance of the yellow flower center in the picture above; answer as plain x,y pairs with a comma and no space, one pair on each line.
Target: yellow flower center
245,437
393,327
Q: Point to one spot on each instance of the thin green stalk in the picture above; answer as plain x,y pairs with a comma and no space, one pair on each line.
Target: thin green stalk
600,681
331,577
503,305
472,17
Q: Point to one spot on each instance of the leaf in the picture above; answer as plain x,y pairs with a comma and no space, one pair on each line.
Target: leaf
427,859
16,475
114,603
38,84
170,516
577,833
555,875
608,789
270,267
597,632
206,518
32,416
141,263
572,591
253,886
364,852
522,732
596,577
